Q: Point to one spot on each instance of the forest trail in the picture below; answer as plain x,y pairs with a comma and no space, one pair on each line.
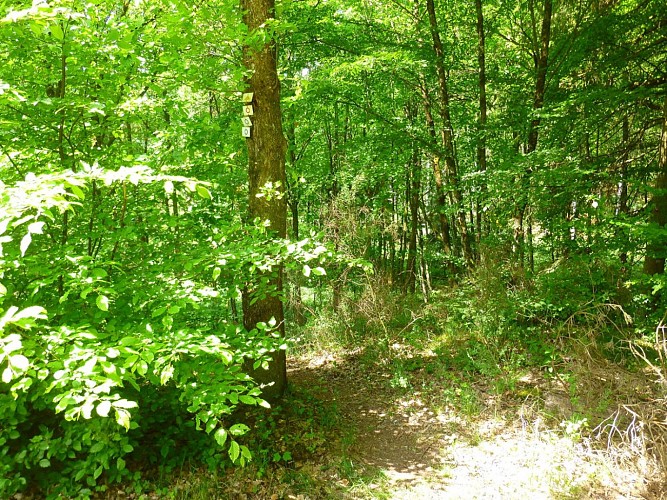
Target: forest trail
394,434
423,450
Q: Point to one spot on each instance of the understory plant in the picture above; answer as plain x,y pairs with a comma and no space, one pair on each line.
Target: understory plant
86,338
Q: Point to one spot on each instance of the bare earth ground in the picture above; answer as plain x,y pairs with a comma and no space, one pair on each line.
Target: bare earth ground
420,448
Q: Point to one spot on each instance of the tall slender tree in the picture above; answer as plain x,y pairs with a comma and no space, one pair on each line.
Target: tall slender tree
447,132
482,119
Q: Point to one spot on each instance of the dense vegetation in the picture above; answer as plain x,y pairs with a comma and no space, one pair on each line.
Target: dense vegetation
505,165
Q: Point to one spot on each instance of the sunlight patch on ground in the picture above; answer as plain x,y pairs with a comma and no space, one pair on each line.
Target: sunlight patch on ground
524,464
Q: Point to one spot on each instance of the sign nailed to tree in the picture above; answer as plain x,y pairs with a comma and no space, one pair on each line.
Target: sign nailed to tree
248,111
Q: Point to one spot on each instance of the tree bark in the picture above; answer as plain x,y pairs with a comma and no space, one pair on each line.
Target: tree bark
541,66
293,204
414,190
481,125
266,166
447,134
656,249
622,191
440,198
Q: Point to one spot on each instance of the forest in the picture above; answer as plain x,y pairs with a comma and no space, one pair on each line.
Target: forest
333,249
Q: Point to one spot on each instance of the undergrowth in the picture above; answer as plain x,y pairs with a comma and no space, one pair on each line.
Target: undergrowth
511,352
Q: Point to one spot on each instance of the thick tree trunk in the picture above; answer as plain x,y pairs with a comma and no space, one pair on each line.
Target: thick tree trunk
656,250
447,135
266,165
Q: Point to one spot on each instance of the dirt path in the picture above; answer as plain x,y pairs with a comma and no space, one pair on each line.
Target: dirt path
397,435
426,452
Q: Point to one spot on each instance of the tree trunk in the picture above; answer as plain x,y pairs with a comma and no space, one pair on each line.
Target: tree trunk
656,249
447,134
266,165
481,126
541,65
622,192
413,200
293,200
440,198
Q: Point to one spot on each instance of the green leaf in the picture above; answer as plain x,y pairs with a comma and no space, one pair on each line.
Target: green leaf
123,418
238,429
249,400
57,31
102,302
98,272
124,403
126,43
25,243
120,464
221,436
142,368
36,227
78,192
44,463
319,271
103,408
37,29
36,312
97,447
306,270
234,451
158,312
203,192
19,362
7,375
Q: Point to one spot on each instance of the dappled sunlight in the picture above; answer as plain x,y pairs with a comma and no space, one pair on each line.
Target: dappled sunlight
429,448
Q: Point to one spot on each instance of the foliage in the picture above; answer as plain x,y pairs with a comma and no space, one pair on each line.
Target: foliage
85,366
127,251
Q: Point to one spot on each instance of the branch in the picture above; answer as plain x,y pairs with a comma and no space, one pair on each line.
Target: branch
427,145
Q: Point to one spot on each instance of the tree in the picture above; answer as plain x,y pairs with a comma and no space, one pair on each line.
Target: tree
654,262
267,179
482,121
447,133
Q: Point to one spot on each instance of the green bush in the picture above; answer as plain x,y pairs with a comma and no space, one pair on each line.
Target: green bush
91,341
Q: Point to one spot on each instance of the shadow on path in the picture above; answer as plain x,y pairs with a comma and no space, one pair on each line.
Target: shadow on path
390,428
